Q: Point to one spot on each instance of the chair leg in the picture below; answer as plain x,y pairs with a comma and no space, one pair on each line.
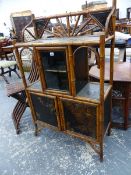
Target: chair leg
2,74
17,114
17,74
9,71
14,69
5,79
126,112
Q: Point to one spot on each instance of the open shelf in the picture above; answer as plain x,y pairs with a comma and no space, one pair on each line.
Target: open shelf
92,90
36,86
56,69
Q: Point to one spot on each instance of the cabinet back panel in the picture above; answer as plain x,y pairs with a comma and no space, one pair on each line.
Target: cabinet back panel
81,68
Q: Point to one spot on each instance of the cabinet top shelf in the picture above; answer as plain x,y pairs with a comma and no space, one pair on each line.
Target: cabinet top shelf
77,40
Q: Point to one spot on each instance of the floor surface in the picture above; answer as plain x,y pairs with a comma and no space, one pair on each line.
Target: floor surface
54,153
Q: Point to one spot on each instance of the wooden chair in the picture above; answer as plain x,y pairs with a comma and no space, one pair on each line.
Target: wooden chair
19,20
8,67
17,91
7,60
22,23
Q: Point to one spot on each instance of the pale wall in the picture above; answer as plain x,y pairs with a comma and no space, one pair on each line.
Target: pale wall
46,7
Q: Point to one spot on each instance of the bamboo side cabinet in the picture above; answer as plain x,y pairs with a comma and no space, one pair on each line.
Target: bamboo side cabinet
64,98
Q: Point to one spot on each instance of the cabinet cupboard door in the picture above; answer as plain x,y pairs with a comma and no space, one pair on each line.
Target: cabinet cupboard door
55,69
80,117
45,108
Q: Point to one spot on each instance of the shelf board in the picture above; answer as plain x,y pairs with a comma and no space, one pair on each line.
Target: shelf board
77,40
35,86
56,70
92,91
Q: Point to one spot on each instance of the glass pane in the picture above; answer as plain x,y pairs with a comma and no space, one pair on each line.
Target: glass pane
55,70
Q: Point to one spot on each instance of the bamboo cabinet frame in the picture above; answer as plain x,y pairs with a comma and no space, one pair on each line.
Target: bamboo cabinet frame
83,102
73,97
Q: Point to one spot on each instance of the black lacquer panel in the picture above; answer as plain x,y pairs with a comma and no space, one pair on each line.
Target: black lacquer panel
45,109
80,118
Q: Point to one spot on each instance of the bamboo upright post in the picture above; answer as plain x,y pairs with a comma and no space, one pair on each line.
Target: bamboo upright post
102,73
72,76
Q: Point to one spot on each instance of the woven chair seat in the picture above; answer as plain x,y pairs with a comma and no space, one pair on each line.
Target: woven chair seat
7,67
6,64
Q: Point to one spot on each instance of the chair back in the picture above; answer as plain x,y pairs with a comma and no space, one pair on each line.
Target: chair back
19,20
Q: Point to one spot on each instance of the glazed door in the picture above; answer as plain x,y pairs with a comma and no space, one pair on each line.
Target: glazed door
54,63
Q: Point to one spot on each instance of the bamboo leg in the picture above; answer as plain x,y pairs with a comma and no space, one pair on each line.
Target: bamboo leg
36,129
101,151
126,108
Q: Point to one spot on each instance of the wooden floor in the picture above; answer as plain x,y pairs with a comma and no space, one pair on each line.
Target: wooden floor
54,153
